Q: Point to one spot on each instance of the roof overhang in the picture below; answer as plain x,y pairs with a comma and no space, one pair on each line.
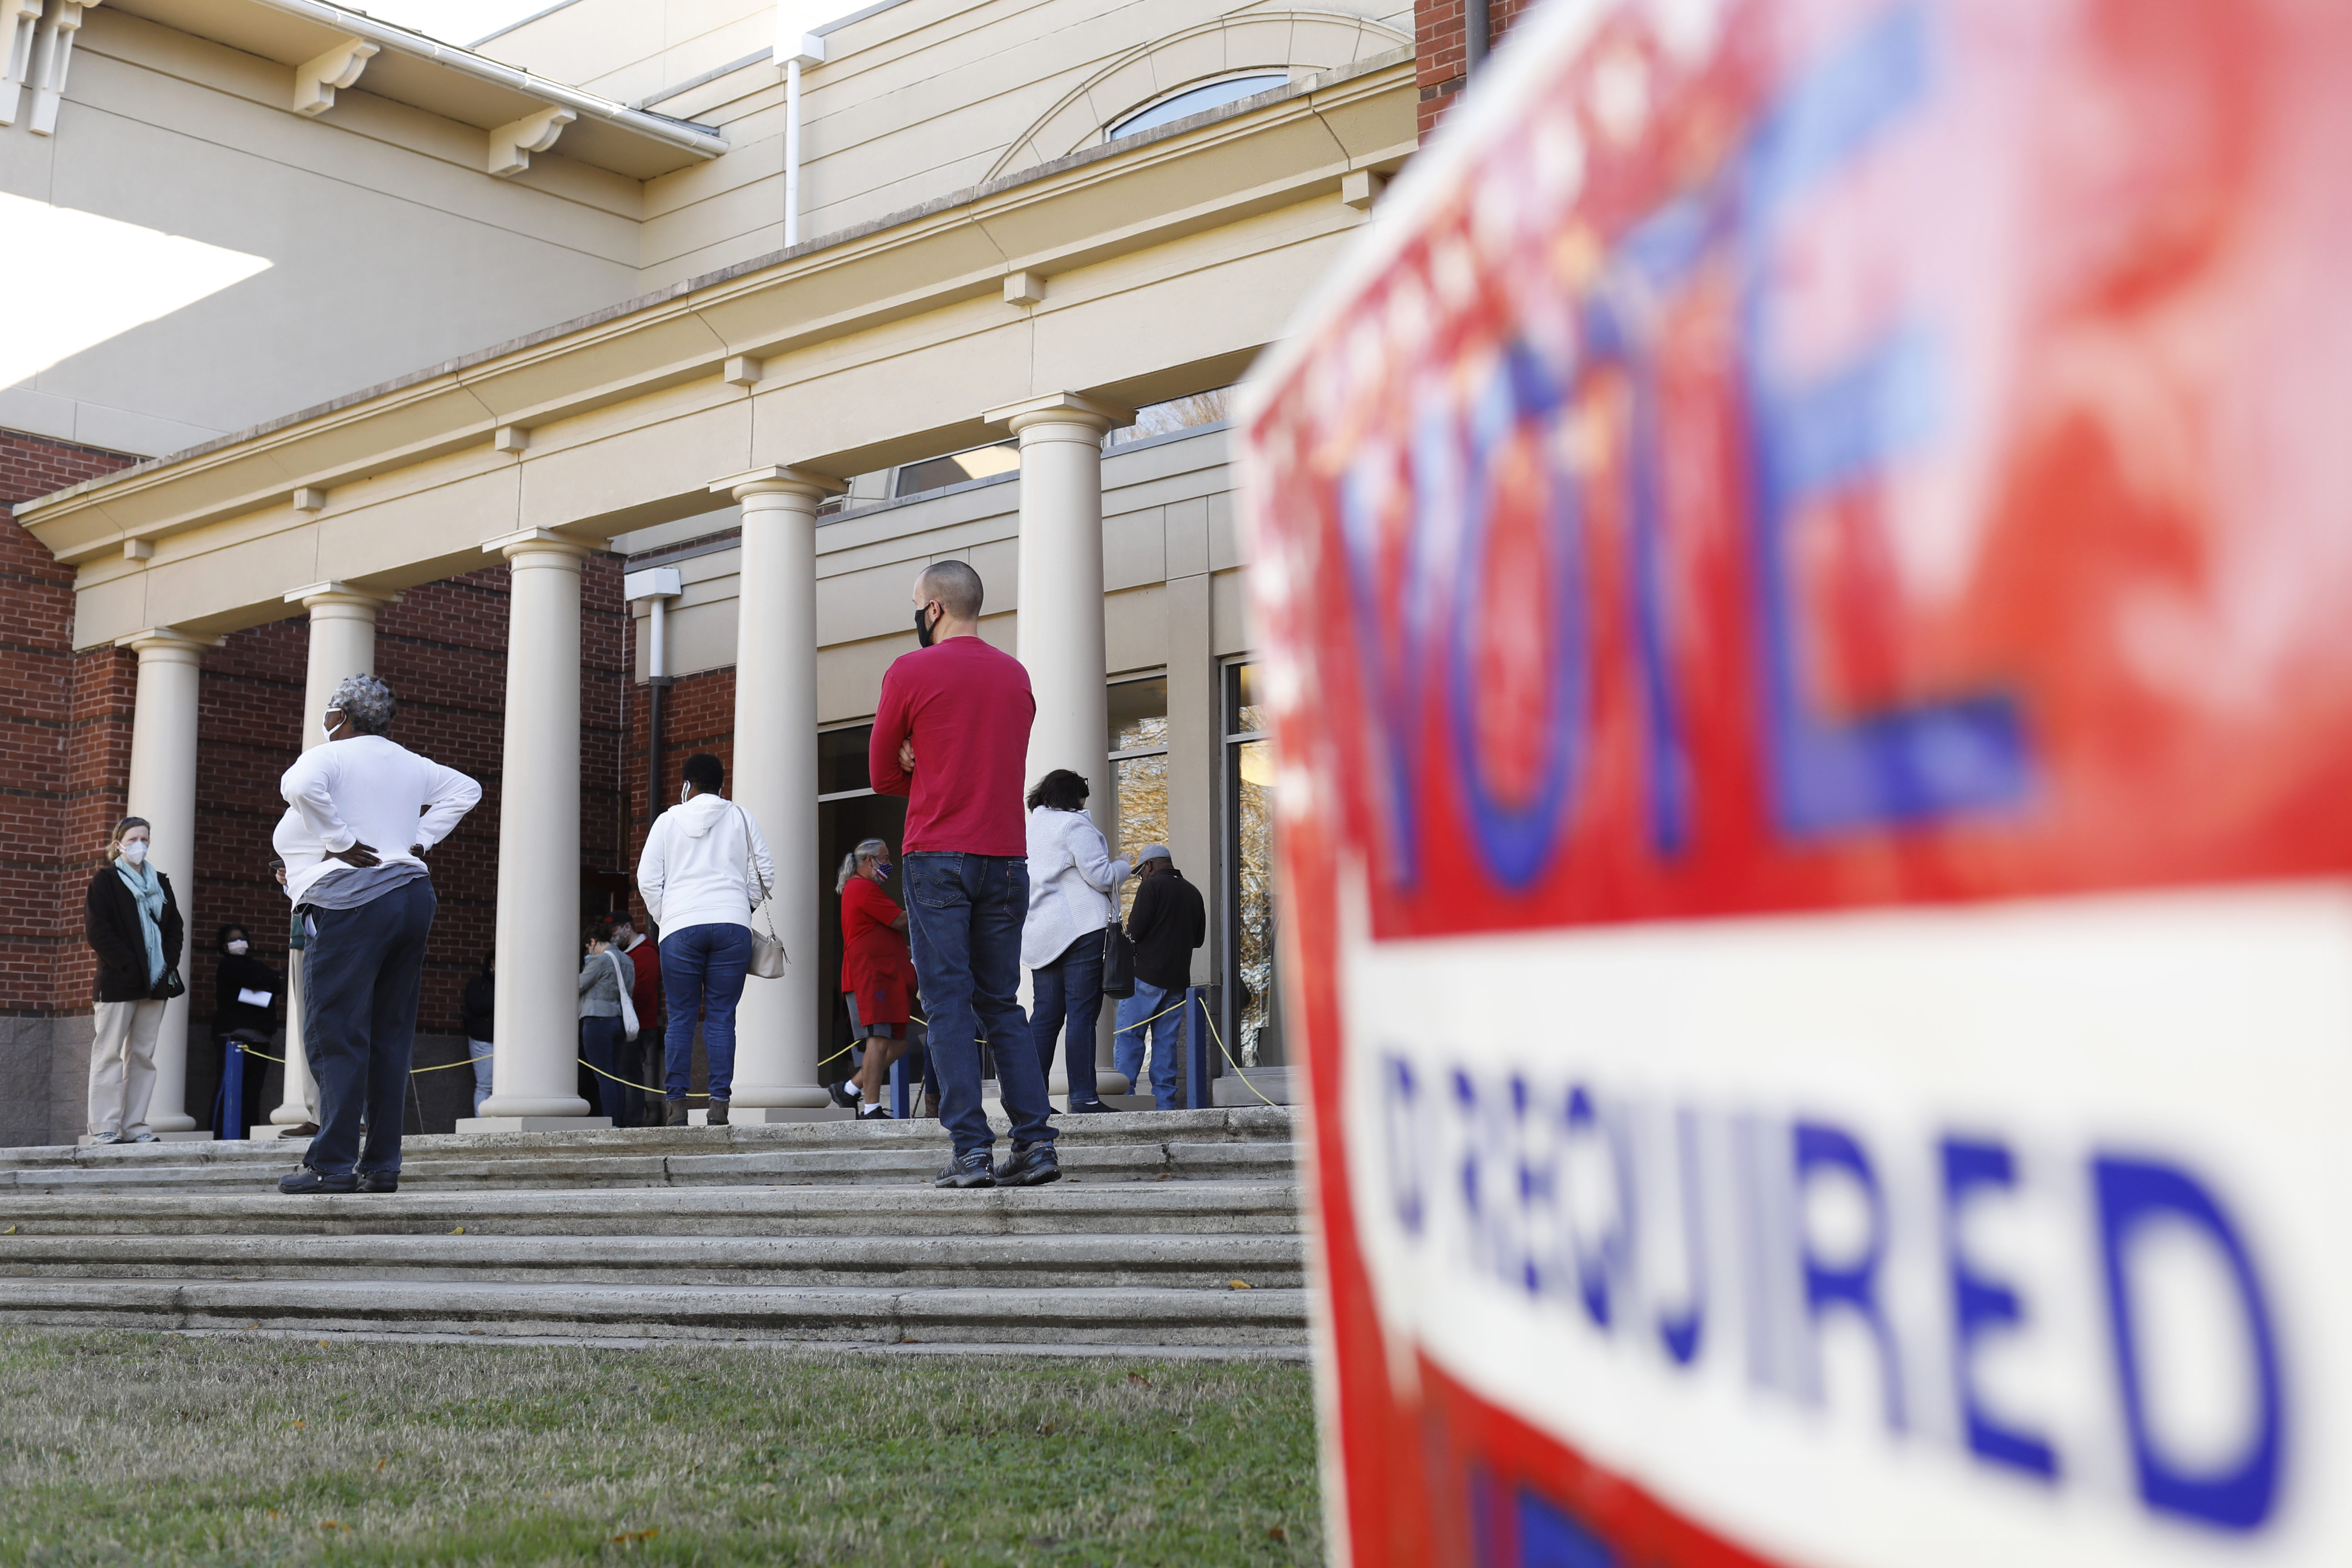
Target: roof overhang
408,66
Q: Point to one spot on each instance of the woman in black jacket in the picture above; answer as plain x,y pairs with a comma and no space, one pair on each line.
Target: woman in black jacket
244,1003
133,922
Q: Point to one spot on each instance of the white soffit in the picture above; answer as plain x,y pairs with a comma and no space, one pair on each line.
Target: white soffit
441,78
100,278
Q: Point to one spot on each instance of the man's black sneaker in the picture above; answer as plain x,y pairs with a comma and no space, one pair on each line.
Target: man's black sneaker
969,1170
877,1112
844,1094
1029,1165
378,1180
1090,1107
307,1180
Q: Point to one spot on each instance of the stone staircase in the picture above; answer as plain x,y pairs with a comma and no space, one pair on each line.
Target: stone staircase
1174,1231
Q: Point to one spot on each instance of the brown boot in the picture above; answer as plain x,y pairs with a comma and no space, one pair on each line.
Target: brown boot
673,1114
717,1114
930,1106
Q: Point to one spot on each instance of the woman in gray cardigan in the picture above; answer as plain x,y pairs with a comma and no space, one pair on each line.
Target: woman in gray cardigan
605,1020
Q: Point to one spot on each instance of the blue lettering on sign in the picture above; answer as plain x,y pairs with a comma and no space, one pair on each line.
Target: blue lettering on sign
2239,1496
1503,1220
1853,1286
1981,1305
1814,440
1535,1534
1811,441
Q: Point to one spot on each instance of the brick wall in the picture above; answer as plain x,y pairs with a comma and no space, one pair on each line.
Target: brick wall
698,715
1439,45
65,741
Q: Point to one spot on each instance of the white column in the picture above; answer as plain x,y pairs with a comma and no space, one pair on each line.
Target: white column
163,791
774,779
342,644
534,1074
1061,585
1060,637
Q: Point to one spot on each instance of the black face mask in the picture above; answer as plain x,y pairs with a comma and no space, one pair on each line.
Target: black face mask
923,627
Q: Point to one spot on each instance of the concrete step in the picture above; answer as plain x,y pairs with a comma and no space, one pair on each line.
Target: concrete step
1068,1207
1191,1145
1059,1317
886,1262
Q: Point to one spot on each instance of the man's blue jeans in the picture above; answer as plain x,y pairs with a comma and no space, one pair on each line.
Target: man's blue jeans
359,1025
1135,1022
963,917
1068,991
702,978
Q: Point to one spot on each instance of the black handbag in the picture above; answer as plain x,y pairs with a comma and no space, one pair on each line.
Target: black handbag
170,986
1118,963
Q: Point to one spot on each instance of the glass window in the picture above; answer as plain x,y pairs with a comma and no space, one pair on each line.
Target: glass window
938,473
1212,407
1252,982
1195,99
1139,770
841,760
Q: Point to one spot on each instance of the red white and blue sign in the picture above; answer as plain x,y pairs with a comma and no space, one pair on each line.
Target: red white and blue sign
1804,570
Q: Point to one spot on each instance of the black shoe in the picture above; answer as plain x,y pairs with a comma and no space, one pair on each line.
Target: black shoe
717,1115
307,1180
673,1114
378,1180
1090,1107
844,1094
1029,1165
971,1170
874,1113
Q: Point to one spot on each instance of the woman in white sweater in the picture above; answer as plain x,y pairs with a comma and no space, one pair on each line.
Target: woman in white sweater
1072,878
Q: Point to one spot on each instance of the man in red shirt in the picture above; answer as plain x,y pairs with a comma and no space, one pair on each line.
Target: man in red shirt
951,734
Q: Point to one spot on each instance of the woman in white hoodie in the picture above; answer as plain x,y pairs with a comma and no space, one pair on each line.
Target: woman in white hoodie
1071,879
705,869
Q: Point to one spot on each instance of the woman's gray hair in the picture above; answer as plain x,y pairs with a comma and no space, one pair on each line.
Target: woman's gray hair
874,847
366,701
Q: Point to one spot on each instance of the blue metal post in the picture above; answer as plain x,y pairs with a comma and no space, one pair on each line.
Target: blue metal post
1198,1096
898,1088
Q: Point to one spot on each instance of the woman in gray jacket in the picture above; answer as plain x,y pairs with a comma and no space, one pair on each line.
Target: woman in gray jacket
607,1018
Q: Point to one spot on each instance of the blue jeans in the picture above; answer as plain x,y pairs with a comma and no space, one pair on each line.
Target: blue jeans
601,1044
1068,991
480,1051
964,915
702,977
359,1025
1165,1033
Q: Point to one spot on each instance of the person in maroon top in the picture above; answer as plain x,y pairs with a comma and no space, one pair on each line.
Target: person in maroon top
644,1058
877,972
951,734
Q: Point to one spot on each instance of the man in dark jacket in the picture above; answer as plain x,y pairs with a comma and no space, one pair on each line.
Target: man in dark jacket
1168,921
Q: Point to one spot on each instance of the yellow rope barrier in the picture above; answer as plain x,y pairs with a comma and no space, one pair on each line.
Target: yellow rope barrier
1239,1071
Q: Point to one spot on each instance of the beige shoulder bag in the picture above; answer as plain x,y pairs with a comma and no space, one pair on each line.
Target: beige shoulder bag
768,954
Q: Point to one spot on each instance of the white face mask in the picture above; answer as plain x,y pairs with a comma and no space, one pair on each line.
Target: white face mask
239,948
684,793
135,851
333,722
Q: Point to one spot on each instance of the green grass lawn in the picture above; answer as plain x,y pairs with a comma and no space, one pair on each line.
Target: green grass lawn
122,1448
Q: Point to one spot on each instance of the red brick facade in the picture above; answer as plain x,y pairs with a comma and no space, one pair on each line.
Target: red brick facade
698,715
64,755
1441,49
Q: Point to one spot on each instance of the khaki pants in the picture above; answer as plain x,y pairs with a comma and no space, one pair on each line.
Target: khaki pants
122,1065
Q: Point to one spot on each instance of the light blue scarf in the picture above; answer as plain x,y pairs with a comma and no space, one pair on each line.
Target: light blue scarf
148,889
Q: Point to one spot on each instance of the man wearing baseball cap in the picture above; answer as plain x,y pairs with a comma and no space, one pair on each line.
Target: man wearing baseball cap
1168,921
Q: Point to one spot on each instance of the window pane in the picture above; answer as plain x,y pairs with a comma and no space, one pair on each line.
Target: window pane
1199,99
841,760
1257,1015
938,473
1138,714
1242,714
1142,815
1178,413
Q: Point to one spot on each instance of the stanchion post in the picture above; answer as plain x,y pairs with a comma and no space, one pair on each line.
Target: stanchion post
1198,1095
898,1089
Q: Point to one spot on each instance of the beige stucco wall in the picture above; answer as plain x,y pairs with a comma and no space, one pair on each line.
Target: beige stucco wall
389,245
918,100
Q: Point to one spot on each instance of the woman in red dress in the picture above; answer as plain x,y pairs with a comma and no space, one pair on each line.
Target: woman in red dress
877,970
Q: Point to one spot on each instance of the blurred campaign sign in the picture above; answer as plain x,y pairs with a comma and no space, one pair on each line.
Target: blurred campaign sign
1803,569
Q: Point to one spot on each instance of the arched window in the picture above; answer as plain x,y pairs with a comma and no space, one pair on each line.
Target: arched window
1193,101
